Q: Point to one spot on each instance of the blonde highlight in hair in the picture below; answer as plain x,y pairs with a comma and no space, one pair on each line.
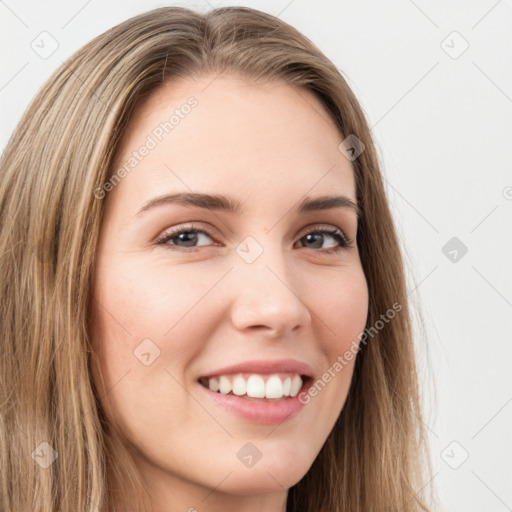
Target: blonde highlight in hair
63,148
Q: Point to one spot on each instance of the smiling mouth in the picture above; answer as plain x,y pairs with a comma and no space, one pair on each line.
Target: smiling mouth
254,386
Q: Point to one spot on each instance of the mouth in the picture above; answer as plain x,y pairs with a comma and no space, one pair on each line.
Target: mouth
276,386
261,392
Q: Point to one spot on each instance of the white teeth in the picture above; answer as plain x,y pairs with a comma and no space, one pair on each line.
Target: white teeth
274,387
224,385
213,384
287,384
296,385
256,386
239,386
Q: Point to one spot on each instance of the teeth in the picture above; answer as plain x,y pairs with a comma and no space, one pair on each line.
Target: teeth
274,387
213,384
239,386
287,384
224,385
296,385
256,386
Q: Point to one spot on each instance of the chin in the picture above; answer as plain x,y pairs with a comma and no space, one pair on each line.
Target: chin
261,481
274,471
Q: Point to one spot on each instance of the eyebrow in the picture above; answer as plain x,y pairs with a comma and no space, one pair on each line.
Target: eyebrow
220,202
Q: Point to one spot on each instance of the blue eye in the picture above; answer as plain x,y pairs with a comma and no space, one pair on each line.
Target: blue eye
188,237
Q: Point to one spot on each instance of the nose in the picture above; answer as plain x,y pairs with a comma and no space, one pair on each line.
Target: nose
267,298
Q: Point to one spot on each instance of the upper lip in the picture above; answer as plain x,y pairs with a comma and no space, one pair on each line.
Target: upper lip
265,367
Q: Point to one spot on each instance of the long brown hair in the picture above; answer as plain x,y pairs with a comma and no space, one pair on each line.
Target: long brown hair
62,150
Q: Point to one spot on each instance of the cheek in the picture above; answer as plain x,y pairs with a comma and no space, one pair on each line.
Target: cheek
148,323
340,309
342,306
135,302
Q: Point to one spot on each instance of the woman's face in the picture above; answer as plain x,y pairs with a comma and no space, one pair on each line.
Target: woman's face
264,296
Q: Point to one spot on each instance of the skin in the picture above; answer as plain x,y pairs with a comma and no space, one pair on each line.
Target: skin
267,145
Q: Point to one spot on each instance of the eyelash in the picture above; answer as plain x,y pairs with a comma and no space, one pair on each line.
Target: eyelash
337,234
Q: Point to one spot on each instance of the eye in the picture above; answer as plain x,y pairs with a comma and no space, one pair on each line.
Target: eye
317,236
184,236
189,236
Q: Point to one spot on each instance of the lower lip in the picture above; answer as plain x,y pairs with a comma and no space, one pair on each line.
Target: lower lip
264,412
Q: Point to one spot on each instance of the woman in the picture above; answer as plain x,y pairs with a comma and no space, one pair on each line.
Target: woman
203,294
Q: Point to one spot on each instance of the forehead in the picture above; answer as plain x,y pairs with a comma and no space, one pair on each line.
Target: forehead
229,135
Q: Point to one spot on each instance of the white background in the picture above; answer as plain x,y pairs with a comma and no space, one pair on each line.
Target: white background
442,122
